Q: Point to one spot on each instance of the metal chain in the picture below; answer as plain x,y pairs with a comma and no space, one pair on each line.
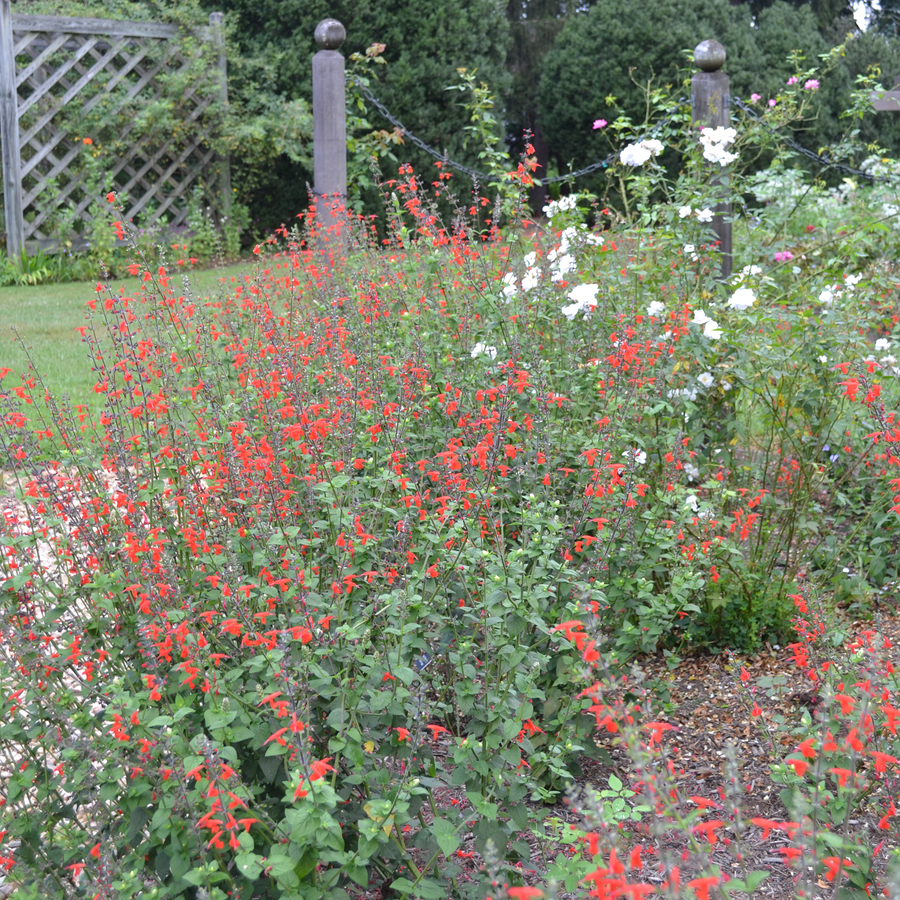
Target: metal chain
474,173
482,176
819,158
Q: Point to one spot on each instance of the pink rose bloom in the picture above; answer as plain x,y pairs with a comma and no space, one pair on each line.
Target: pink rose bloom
793,79
772,102
599,123
784,257
811,85
755,97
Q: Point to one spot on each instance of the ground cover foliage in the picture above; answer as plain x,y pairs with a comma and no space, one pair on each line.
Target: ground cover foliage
341,586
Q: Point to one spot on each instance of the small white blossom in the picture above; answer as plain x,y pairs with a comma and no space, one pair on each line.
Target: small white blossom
583,297
530,259
687,393
726,385
718,154
692,503
480,349
510,288
692,472
706,379
656,308
705,215
852,280
822,359
639,456
882,344
714,141
684,212
826,298
742,298
531,279
711,329
638,154
563,265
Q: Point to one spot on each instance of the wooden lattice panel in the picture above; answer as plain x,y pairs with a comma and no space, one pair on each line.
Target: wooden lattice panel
106,67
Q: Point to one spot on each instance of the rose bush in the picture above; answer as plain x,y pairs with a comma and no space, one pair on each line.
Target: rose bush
345,575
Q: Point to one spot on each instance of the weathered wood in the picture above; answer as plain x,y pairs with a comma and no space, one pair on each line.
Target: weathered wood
217,36
9,137
65,56
329,128
887,101
110,27
60,73
711,106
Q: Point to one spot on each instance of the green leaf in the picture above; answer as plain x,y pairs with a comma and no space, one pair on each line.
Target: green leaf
249,865
446,836
139,818
427,889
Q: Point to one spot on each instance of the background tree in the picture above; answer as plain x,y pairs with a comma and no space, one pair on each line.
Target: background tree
534,27
616,49
425,44
619,47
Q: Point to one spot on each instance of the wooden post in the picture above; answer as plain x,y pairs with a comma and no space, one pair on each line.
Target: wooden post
711,106
217,33
9,137
889,101
329,129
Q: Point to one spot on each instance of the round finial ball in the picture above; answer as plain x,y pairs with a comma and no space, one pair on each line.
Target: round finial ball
709,56
330,34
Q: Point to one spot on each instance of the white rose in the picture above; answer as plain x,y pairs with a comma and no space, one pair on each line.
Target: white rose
684,212
706,379
705,215
480,349
742,298
656,308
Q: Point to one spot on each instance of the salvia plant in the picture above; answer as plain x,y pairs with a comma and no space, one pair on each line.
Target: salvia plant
336,586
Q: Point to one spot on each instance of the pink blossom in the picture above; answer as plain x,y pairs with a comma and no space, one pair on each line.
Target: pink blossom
784,256
793,79
599,123
755,97
772,102
811,85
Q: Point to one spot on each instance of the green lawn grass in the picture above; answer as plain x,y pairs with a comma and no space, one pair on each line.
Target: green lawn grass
40,322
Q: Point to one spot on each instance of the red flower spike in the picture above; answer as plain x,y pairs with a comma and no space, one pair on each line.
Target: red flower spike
701,886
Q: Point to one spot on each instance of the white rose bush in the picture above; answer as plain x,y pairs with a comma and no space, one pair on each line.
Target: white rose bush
335,584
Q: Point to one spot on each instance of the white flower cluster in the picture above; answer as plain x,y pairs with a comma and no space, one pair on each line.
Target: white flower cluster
714,141
703,215
562,261
656,308
564,204
889,362
480,349
638,154
711,329
583,297
688,393
747,270
742,299
531,279
639,456
830,294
